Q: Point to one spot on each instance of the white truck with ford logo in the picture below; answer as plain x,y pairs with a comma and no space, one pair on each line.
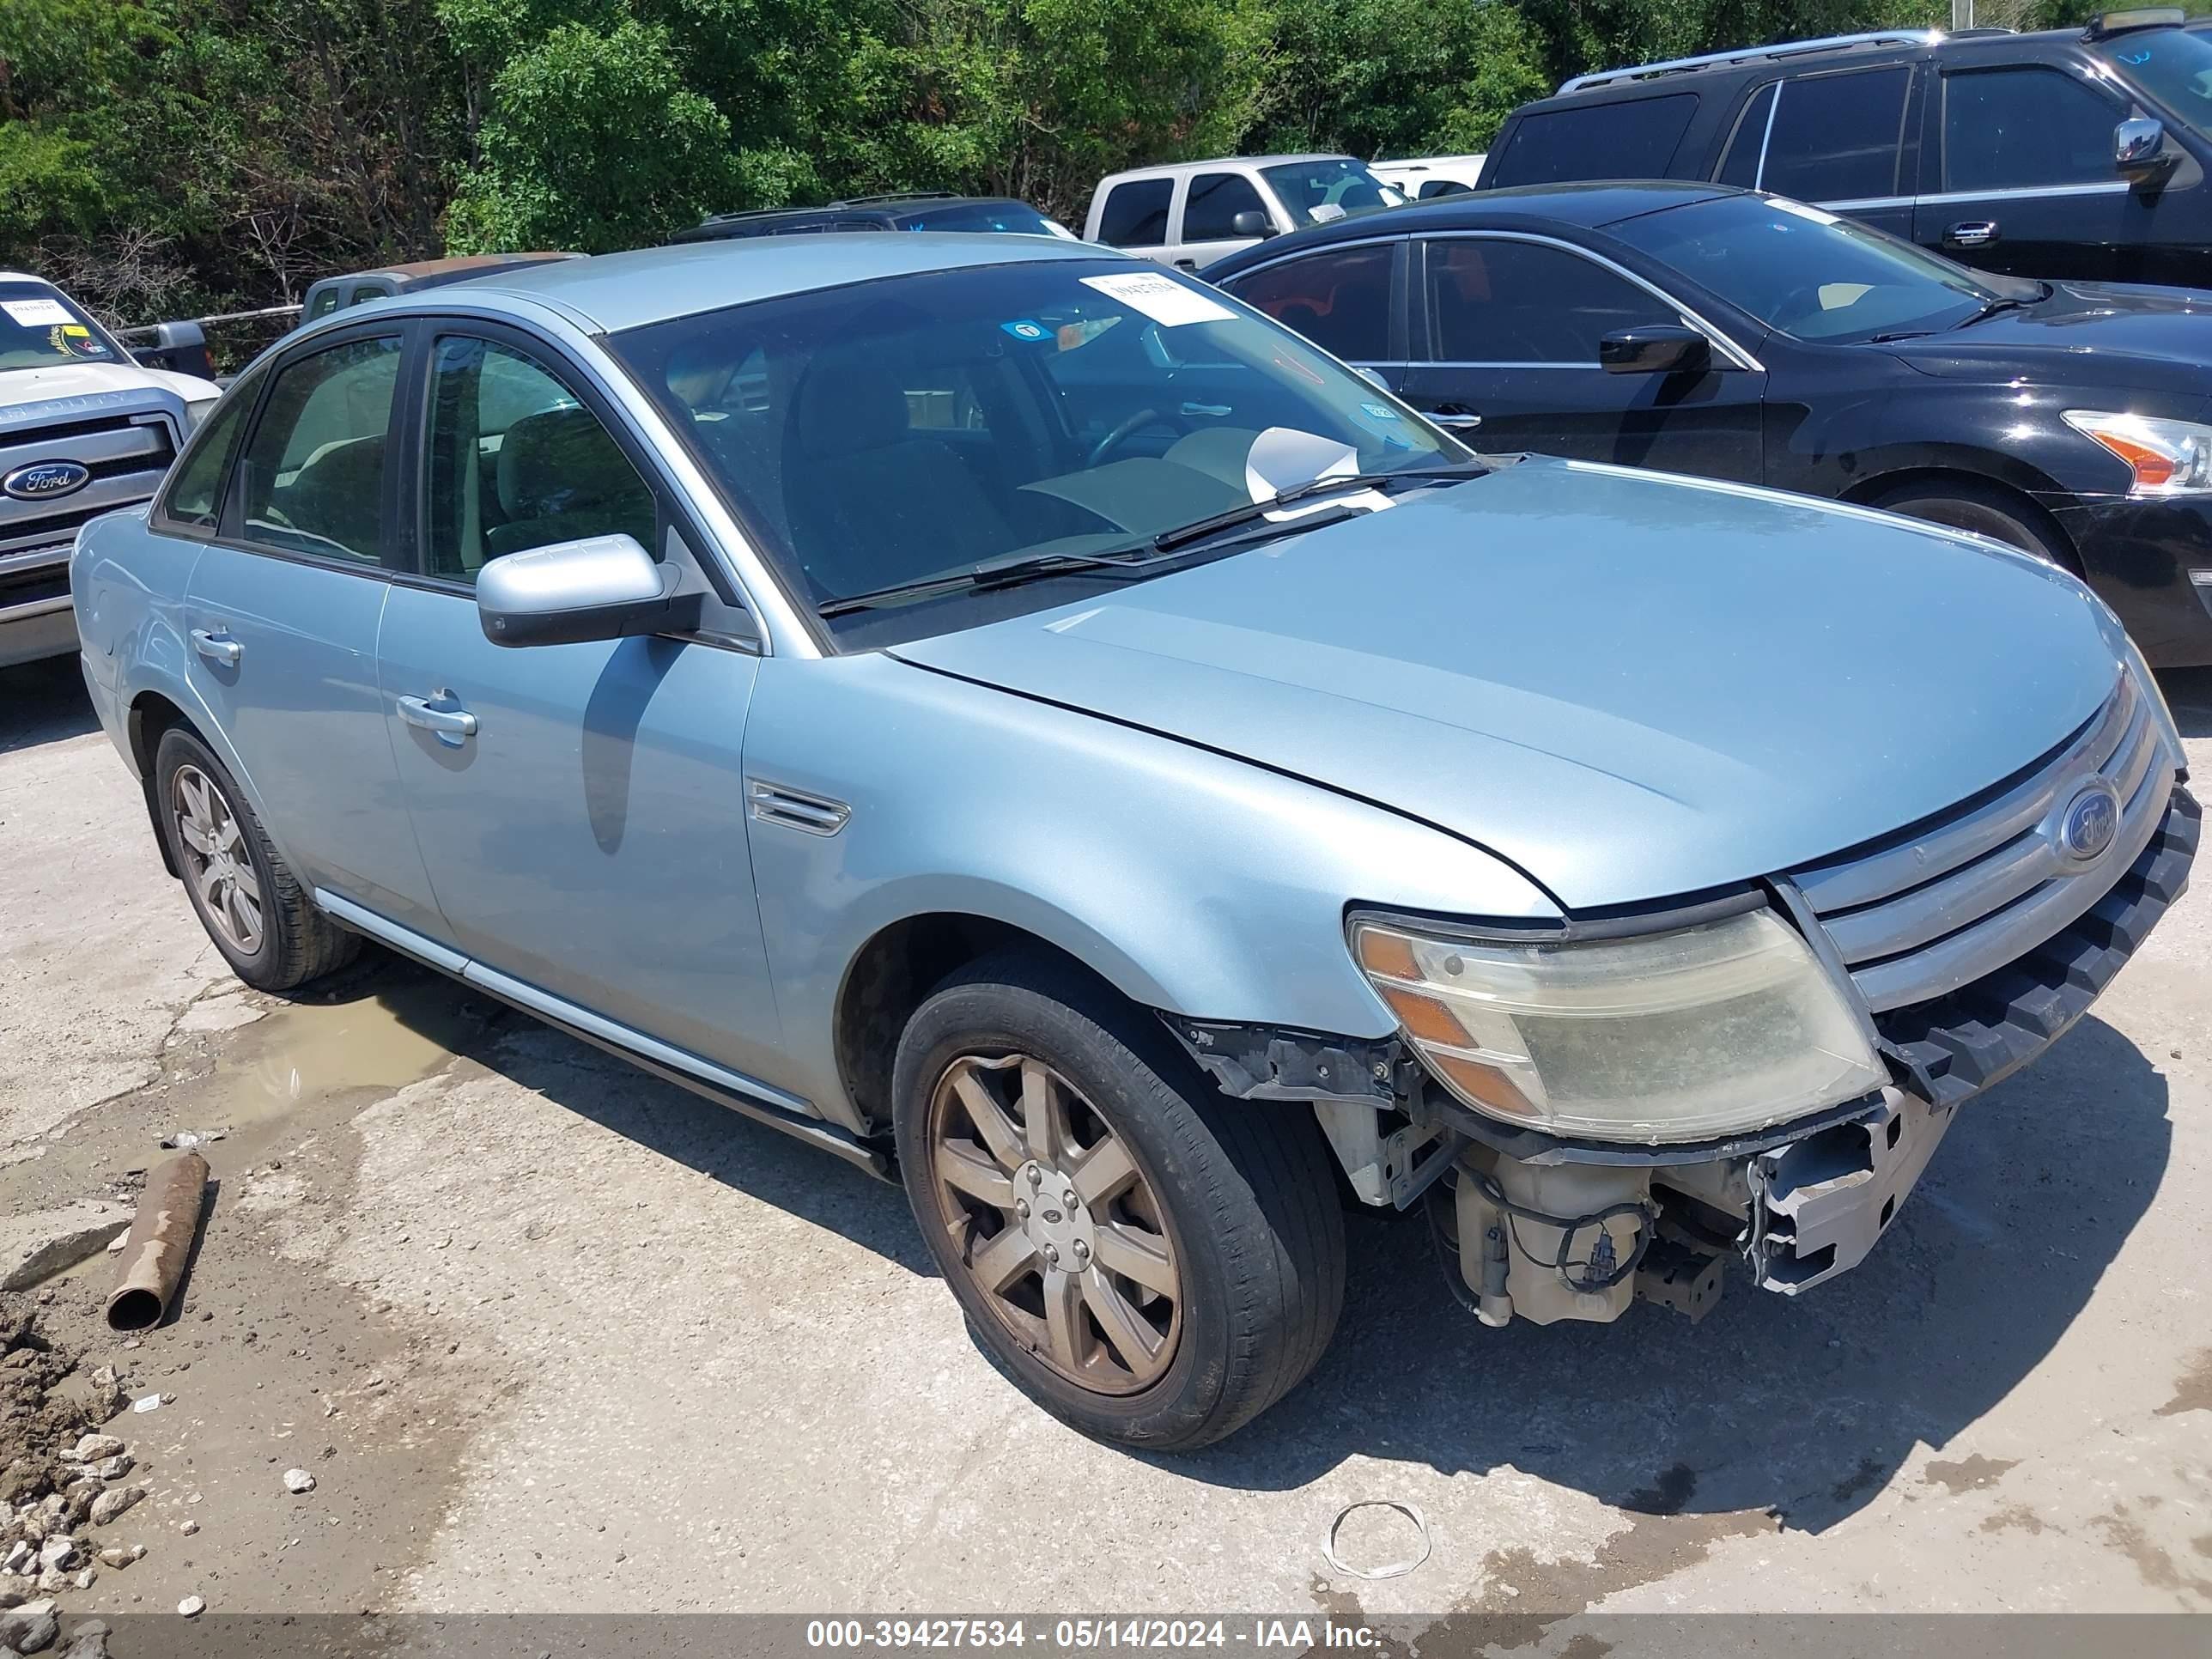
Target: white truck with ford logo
84,429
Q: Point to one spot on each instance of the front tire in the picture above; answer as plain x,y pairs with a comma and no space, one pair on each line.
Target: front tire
1152,1263
1987,512
253,907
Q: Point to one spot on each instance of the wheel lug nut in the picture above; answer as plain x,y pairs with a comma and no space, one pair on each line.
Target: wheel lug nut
1081,1251
1036,1177
1022,1208
1051,1254
1073,1201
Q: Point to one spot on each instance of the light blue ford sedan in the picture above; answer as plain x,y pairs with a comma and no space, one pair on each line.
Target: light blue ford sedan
1027,724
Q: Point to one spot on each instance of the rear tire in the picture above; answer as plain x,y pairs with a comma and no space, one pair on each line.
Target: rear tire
1986,512
1187,1290
253,907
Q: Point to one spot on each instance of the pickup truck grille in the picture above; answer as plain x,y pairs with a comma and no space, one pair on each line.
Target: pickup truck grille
126,458
1919,915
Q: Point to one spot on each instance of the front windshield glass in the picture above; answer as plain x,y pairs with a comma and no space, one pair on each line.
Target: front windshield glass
1316,192
1811,274
41,327
2174,66
914,428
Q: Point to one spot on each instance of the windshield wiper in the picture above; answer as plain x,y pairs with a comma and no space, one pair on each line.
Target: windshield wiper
1005,572
1039,566
1997,306
1200,529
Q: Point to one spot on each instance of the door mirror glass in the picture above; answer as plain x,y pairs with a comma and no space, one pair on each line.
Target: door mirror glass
1251,222
603,587
1659,349
2139,150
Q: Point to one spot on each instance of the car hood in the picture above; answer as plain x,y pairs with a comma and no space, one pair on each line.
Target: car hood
1631,686
21,389
2145,339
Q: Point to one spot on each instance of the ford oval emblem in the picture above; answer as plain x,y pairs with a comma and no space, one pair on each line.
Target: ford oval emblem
2090,820
42,481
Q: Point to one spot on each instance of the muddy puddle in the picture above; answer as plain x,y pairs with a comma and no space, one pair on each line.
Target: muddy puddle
256,1069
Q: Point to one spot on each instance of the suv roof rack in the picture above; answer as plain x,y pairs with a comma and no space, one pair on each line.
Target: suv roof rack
897,196
1754,54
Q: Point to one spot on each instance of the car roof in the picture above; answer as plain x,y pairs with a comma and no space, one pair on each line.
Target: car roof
1525,207
454,267
1812,57
613,291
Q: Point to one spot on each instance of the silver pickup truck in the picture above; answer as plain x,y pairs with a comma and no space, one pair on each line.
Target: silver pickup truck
83,429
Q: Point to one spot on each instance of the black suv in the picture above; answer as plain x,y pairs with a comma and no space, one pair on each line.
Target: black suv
2069,154
918,210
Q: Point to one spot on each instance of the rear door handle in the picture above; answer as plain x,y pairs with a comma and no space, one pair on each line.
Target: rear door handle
1972,232
452,723
1186,264
217,646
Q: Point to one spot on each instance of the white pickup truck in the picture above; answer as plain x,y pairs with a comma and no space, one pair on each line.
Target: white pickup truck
83,429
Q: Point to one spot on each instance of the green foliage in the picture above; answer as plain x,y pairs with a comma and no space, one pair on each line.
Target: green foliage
169,155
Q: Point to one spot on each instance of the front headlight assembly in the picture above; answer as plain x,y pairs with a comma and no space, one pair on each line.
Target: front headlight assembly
2168,458
1700,1032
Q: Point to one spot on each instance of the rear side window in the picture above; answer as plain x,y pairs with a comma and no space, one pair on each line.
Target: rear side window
1210,209
1136,214
1835,137
1339,299
1740,167
315,466
1633,139
195,495
2015,127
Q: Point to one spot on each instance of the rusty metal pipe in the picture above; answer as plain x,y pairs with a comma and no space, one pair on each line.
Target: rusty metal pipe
160,1238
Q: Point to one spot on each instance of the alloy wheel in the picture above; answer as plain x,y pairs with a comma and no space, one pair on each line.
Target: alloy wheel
1053,1222
217,862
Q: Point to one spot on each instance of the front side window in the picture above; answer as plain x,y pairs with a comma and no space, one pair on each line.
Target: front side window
1811,273
1136,214
1210,209
2012,129
41,327
1836,137
1339,299
517,462
1634,138
315,466
1525,302
915,428
1316,192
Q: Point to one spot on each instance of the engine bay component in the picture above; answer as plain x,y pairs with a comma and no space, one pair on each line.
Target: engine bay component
1551,1241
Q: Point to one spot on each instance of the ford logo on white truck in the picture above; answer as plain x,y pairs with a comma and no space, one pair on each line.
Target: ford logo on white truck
43,480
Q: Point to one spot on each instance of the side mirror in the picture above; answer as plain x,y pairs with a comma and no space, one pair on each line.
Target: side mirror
604,587
1663,349
182,347
2140,153
1251,223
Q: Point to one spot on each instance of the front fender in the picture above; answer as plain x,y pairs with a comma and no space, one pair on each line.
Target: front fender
1196,883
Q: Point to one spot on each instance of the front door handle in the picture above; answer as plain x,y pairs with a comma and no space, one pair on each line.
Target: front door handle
217,646
441,714
1972,232
1186,264
1455,417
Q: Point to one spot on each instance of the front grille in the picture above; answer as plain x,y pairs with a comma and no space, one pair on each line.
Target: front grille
126,457
1919,916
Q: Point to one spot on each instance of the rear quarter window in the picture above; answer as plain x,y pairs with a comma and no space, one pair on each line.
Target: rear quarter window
1633,138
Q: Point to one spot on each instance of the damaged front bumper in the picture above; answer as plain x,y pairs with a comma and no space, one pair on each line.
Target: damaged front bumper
1547,1229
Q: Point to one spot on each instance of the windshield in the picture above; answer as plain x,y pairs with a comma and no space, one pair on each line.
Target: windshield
1014,218
41,327
1315,191
2174,66
912,428
1810,274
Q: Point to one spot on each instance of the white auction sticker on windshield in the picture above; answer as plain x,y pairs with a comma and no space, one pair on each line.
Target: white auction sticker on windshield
43,314
1162,299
